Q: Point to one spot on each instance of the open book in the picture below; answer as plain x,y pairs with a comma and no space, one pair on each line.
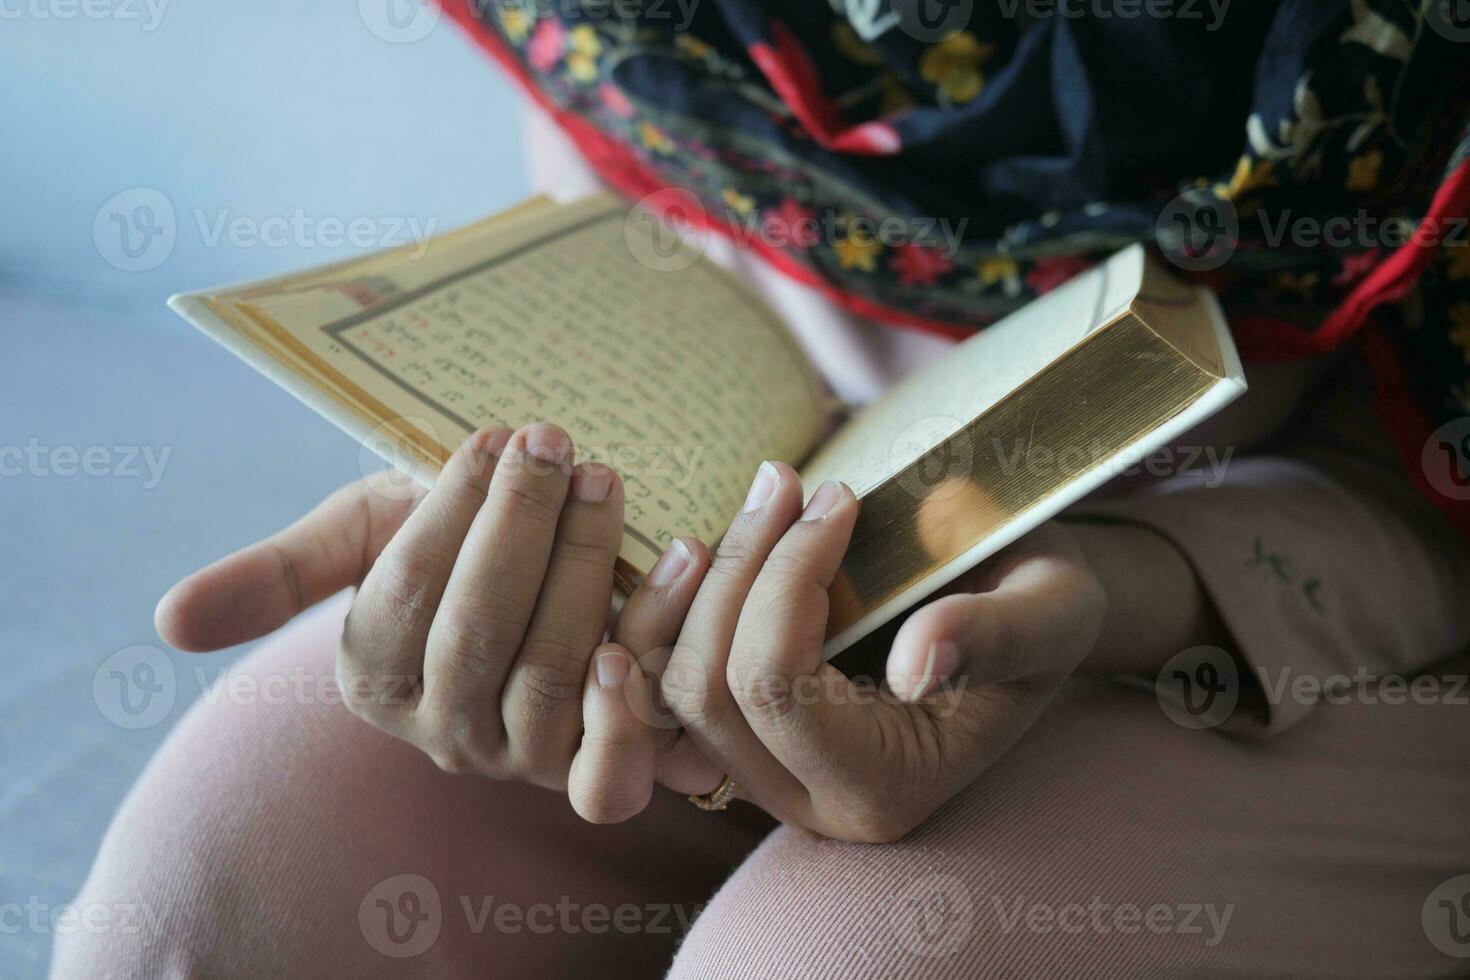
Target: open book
673,372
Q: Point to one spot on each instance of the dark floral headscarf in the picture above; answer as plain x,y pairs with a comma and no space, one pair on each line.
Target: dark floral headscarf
941,167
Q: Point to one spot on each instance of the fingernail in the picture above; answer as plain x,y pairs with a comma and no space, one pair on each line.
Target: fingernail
546,443
612,669
495,442
671,564
766,479
591,484
827,496
924,670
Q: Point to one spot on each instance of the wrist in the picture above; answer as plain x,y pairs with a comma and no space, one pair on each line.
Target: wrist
1156,605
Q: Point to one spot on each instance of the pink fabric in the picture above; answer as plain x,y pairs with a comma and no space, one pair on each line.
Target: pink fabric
266,840
255,837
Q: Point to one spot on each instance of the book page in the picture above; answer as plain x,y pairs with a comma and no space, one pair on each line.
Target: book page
680,378
932,405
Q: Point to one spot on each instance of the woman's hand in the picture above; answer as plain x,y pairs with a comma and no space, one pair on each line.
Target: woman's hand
479,604
967,674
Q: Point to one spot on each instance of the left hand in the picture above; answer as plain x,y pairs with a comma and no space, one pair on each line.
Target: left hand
967,674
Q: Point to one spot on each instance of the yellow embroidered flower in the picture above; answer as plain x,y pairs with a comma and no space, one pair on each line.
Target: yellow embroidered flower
996,270
1250,174
654,138
857,250
1457,258
893,98
953,66
1302,285
691,45
585,41
515,22
581,67
1363,170
738,202
585,47
845,39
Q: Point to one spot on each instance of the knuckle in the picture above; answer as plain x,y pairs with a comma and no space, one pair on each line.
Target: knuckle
734,557
477,632
531,499
586,551
366,693
403,589
460,748
880,820
552,669
366,696
468,492
451,761
880,829
685,689
789,566
760,694
782,606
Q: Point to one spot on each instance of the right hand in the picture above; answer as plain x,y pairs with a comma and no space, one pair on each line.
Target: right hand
479,607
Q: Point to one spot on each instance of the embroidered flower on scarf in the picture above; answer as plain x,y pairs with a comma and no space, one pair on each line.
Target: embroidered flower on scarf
919,265
845,39
893,98
692,45
547,42
994,270
582,62
953,66
655,139
741,204
514,21
1304,285
791,223
1363,170
857,250
1250,174
617,103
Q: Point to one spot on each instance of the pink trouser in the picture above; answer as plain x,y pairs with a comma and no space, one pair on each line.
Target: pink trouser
278,836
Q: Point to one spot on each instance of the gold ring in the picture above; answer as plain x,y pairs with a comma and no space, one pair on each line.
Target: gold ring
717,800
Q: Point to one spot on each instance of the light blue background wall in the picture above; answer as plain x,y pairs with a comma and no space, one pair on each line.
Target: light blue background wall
228,109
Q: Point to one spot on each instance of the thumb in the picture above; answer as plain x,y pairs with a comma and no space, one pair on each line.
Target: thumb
1042,617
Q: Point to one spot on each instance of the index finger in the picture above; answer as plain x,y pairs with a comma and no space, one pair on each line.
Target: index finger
803,709
261,587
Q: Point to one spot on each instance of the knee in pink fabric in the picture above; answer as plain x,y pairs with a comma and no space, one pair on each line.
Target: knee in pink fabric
284,837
